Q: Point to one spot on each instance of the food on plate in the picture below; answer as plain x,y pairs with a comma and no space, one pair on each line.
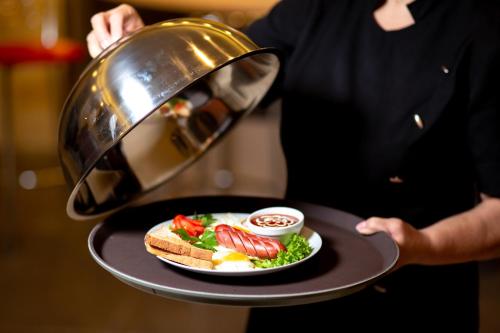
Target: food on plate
222,243
276,221
167,241
229,260
164,243
193,227
247,243
181,259
297,249
273,220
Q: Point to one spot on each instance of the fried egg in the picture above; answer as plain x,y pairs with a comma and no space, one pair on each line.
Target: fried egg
225,259
229,219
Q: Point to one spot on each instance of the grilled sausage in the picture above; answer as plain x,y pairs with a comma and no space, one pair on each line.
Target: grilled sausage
250,244
250,249
237,241
260,248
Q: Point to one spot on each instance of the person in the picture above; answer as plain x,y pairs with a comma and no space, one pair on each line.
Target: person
391,111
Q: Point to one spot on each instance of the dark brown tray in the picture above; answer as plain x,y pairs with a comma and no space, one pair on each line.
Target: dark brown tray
346,263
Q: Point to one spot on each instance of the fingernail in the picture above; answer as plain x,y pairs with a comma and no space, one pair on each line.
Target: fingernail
361,225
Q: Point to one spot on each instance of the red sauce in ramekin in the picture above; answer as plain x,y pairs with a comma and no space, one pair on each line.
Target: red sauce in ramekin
274,220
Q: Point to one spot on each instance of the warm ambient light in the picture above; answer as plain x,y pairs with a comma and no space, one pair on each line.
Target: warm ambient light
202,56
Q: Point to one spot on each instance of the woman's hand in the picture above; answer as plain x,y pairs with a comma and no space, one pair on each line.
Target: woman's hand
413,244
110,26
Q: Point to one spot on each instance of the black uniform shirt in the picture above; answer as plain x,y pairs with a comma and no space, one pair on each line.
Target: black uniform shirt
403,123
394,124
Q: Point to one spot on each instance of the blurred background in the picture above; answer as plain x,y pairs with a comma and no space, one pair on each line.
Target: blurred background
48,281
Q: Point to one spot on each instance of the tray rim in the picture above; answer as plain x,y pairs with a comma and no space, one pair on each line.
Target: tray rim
241,299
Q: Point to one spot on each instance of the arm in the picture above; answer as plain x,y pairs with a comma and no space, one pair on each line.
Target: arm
472,235
279,28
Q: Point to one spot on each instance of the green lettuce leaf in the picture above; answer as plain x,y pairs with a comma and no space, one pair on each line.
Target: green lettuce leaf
297,248
206,240
185,236
206,219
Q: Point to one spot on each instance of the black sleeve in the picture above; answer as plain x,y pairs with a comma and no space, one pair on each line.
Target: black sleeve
281,28
484,116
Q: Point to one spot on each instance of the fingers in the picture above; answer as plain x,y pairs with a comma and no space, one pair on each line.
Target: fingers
132,21
414,245
376,224
93,45
370,226
110,26
116,25
122,20
101,30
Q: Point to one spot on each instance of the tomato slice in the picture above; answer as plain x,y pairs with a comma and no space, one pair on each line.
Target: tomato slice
192,227
188,227
176,224
196,222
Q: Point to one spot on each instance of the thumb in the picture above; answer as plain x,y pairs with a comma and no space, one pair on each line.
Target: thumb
372,225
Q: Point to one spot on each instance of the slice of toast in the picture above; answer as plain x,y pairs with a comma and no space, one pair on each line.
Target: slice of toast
181,259
164,240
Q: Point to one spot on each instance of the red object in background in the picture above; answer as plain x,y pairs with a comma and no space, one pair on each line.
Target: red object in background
64,51
12,54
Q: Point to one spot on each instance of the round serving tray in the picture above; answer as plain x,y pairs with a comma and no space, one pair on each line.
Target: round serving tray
346,263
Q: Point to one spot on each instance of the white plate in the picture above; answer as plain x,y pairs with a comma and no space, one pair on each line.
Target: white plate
312,237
